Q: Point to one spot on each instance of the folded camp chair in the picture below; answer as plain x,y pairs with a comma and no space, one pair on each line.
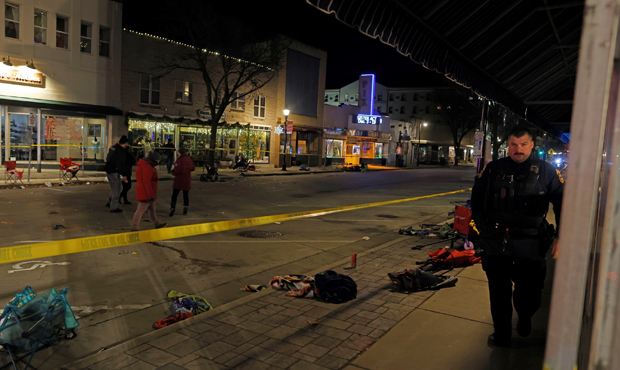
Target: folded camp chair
68,170
11,173
31,322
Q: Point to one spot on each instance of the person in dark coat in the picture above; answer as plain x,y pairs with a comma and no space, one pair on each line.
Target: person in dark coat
182,172
114,164
126,171
168,151
146,190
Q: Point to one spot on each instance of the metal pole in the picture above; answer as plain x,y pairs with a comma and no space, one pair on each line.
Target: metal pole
29,161
39,119
285,140
417,163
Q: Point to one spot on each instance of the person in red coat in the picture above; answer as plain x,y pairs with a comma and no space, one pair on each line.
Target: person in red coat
182,172
146,190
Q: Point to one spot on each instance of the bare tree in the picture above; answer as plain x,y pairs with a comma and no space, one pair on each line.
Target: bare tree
233,59
461,113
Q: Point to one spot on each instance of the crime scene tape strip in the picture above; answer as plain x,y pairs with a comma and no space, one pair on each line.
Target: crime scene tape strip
27,252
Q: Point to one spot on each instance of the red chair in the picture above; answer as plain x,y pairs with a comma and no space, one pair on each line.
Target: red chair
68,170
11,173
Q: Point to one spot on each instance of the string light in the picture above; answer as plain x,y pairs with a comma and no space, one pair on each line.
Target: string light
204,50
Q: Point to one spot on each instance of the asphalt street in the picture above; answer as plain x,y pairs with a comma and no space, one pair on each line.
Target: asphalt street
119,292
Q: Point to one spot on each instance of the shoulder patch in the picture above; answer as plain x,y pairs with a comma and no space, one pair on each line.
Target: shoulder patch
560,177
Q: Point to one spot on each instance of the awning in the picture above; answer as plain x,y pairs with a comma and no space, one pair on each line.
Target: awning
522,54
60,105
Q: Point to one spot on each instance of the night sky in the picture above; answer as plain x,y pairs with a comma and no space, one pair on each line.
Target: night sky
350,53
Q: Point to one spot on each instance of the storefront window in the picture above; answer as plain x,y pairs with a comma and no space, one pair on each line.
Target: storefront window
23,135
146,136
368,149
333,148
195,140
379,150
254,143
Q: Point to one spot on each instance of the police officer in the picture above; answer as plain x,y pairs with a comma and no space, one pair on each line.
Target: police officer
510,200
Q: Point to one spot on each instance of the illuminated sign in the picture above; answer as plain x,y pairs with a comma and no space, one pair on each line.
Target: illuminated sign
21,75
369,119
366,93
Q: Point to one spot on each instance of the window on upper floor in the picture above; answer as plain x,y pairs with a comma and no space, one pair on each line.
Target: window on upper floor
390,110
259,106
403,97
326,98
40,26
62,32
104,41
336,98
380,97
11,20
402,109
149,89
415,97
238,102
86,37
183,92
391,97
415,110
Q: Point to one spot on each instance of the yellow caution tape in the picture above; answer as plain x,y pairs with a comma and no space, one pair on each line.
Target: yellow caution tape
27,252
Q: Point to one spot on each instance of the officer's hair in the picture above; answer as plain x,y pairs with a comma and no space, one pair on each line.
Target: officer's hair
520,131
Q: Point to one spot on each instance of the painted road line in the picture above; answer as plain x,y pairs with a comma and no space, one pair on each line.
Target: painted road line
25,252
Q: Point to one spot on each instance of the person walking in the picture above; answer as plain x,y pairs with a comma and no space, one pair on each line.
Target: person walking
510,200
146,191
169,153
126,171
114,165
182,172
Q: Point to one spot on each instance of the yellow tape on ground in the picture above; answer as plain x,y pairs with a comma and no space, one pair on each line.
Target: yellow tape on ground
27,252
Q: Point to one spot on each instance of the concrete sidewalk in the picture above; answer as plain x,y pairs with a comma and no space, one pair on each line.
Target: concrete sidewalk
381,329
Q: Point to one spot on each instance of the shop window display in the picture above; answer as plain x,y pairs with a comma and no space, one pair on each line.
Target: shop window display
333,148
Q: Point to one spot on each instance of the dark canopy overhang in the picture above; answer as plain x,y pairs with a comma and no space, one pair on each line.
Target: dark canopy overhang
522,53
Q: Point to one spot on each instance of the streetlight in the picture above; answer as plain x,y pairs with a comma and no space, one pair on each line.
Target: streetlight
286,112
420,124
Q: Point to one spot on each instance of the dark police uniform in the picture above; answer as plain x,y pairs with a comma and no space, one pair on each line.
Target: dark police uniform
509,206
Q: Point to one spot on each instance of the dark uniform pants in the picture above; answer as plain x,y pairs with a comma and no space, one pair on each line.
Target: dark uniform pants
528,276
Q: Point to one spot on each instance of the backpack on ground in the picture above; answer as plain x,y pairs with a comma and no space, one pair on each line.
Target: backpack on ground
332,287
414,280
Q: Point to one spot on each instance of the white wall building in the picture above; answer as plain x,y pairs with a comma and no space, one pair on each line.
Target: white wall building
59,78
415,115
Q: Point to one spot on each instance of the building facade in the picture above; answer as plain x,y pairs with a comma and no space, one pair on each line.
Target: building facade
416,123
59,79
171,107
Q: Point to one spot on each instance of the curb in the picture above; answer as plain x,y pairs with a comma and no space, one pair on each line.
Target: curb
244,174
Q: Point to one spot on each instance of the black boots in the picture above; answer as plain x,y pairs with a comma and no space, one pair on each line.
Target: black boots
172,210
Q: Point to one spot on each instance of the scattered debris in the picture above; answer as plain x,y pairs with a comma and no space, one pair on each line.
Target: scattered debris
48,184
353,262
366,238
253,288
182,307
59,226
